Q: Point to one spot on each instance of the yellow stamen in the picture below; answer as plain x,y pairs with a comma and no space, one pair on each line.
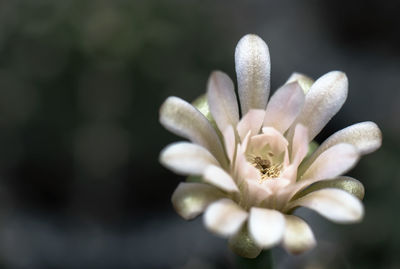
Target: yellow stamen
267,169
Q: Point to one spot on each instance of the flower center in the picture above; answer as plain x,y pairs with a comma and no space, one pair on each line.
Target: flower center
267,168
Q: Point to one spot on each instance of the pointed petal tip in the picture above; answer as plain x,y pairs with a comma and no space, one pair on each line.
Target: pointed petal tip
218,177
222,100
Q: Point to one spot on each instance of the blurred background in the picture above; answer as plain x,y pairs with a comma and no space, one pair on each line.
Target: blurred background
81,82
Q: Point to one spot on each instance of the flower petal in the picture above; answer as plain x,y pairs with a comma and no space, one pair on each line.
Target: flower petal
284,107
300,145
304,81
253,67
243,170
191,199
266,226
218,177
323,101
224,217
201,104
243,245
271,137
186,158
230,142
349,184
222,100
334,204
332,162
255,194
183,119
252,121
298,236
365,136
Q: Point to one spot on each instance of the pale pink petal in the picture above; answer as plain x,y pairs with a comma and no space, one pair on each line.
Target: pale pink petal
266,226
300,144
191,199
243,169
365,136
245,142
252,121
333,162
222,100
224,217
275,184
230,142
284,106
334,204
304,81
289,172
323,101
186,158
253,67
181,118
271,137
298,236
255,193
218,177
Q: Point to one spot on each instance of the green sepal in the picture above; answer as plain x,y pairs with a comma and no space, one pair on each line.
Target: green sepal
194,179
312,147
243,245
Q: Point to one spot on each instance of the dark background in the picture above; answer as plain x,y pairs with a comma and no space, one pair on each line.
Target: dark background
81,82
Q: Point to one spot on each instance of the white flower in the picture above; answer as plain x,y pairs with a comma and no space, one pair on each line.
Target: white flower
255,170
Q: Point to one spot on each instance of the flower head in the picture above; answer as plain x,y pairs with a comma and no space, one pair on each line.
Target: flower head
255,169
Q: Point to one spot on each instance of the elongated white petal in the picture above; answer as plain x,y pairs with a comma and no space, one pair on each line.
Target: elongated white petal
266,226
191,199
298,236
364,136
186,158
222,100
224,217
218,177
300,144
183,119
230,142
334,204
252,121
253,67
349,184
324,99
332,162
284,106
304,81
